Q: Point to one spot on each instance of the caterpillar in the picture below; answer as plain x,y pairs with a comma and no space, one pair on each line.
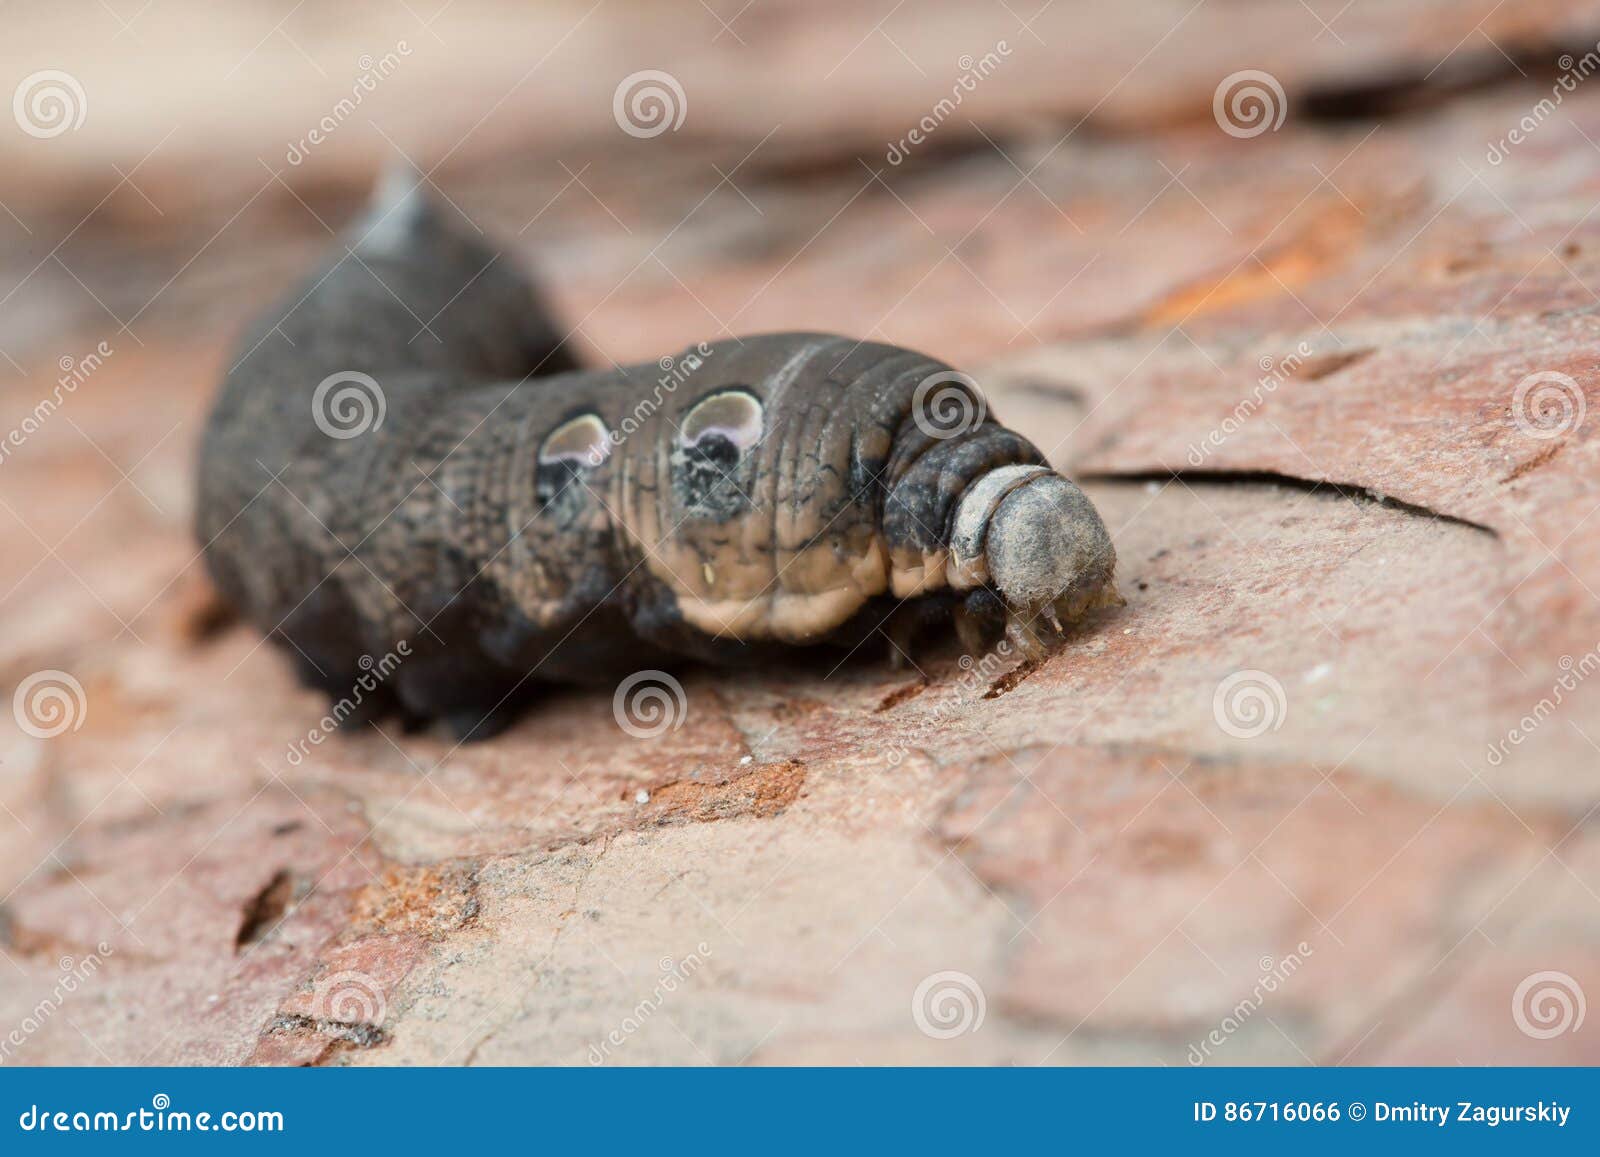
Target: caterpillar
406,453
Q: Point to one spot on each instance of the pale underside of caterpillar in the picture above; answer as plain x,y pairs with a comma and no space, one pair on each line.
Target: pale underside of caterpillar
405,455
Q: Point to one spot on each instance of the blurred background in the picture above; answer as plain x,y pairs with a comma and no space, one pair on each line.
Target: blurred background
1302,289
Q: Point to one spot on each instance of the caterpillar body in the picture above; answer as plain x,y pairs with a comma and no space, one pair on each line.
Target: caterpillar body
406,452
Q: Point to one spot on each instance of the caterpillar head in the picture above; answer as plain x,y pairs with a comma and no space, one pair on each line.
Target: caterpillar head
1034,539
788,481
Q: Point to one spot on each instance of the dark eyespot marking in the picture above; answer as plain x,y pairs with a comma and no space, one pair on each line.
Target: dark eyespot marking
579,444
712,470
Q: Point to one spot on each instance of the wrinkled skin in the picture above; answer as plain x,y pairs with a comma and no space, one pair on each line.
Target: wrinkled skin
513,520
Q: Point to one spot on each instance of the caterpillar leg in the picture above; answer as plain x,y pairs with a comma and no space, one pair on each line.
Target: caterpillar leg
913,621
902,629
979,621
473,696
327,656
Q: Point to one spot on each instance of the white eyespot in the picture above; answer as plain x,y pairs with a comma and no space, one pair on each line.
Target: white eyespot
732,414
583,441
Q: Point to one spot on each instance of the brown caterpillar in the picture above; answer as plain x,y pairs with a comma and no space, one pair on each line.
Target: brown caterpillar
405,452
